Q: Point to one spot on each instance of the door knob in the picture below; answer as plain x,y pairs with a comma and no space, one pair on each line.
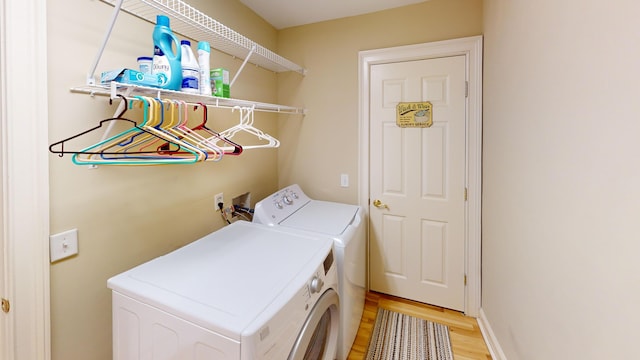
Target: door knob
377,203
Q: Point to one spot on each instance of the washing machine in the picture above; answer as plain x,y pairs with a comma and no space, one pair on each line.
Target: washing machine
245,292
290,208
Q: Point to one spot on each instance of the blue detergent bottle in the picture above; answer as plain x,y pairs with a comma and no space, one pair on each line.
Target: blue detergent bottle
166,60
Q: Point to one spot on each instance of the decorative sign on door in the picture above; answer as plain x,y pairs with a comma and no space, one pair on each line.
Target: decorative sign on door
414,114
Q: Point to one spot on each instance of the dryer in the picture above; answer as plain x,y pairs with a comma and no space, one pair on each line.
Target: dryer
245,292
291,209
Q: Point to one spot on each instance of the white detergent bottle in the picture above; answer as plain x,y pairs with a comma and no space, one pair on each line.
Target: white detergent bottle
190,69
204,51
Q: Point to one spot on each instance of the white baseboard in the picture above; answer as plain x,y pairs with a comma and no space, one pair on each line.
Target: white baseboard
490,338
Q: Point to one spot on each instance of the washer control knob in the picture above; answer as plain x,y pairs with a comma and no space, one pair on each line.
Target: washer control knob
279,205
316,284
294,195
287,200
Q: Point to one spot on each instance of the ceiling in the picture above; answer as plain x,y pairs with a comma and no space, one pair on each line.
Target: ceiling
286,13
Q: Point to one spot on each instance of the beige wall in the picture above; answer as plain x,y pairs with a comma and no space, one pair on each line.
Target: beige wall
127,215
560,229
561,276
316,150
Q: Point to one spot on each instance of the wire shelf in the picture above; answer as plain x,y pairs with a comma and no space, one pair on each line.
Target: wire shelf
194,24
128,90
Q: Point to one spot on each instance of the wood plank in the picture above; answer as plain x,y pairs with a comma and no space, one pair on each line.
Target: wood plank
466,339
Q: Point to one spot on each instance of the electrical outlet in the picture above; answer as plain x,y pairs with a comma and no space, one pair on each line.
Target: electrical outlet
219,198
63,245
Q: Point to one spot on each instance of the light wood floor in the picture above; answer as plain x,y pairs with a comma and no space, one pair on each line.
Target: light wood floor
466,340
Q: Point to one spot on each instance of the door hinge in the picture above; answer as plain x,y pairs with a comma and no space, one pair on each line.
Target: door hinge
466,194
465,279
6,305
466,89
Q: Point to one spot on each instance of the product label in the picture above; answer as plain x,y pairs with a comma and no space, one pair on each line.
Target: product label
190,79
145,68
161,68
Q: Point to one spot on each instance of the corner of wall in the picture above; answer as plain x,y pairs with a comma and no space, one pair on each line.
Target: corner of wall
490,337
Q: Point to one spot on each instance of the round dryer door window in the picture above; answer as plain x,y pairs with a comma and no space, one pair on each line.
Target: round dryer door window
318,339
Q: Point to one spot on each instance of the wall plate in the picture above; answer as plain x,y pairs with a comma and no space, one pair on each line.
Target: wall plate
63,245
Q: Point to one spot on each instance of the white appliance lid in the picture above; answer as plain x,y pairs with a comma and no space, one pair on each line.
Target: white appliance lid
322,217
226,279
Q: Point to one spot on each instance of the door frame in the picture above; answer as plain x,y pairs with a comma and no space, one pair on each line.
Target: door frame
24,238
471,48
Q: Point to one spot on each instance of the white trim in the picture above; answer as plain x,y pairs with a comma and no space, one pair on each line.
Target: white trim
25,181
471,47
490,338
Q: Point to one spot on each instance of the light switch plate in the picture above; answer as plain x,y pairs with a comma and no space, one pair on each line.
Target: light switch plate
344,180
63,245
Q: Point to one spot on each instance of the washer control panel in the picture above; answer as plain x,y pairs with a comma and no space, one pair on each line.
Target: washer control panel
322,278
280,205
285,197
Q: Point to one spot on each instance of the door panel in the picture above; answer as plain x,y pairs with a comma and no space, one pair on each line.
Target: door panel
418,176
393,245
433,244
392,162
434,163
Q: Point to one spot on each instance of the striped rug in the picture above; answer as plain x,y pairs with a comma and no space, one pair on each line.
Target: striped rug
402,337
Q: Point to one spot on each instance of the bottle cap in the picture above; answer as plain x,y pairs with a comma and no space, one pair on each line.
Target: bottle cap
203,45
162,20
142,58
185,42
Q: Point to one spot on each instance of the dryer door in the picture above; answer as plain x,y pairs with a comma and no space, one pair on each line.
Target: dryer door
318,339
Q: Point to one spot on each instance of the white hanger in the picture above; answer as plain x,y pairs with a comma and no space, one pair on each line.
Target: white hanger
246,125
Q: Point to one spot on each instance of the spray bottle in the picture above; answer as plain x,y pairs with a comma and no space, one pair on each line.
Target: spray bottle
204,51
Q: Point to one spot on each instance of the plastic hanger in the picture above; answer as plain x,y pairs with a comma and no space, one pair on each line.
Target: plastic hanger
232,149
112,152
162,124
61,144
154,120
246,125
177,127
161,118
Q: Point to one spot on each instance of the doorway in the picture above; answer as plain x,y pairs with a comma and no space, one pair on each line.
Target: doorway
430,234
24,322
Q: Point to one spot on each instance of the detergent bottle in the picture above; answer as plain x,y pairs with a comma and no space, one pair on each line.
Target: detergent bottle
166,60
190,69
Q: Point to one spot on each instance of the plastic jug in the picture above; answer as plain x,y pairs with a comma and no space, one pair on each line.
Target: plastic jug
166,61
190,69
204,51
